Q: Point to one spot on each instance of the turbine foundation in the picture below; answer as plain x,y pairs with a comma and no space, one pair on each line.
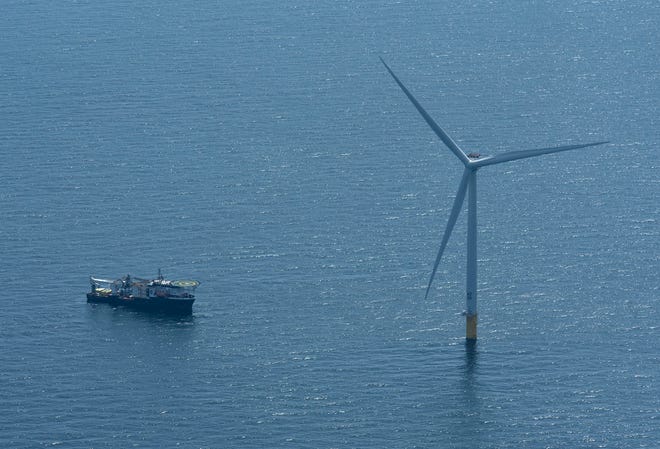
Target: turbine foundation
471,327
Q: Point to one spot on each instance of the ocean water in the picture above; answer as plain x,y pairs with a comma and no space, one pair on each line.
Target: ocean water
262,149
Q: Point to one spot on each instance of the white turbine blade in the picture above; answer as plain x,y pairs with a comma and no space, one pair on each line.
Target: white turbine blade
434,126
514,155
456,209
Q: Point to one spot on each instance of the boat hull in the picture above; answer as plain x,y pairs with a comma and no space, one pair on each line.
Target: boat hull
174,306
101,299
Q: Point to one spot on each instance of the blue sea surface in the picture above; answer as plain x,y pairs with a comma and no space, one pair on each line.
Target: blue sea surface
262,149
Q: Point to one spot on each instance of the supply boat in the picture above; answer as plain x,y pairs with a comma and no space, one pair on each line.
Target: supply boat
155,295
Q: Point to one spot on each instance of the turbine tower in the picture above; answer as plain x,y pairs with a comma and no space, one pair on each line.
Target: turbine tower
472,162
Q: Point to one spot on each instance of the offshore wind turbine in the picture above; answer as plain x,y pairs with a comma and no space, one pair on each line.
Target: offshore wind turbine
472,162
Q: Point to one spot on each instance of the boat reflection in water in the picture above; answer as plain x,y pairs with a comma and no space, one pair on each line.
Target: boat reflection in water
154,295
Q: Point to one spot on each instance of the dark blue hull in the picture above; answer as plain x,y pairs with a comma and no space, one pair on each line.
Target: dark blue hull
178,306
101,299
